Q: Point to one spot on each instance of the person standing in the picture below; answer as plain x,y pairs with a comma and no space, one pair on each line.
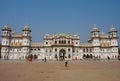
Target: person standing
45,59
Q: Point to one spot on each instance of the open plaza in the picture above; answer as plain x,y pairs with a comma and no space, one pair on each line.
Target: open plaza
56,71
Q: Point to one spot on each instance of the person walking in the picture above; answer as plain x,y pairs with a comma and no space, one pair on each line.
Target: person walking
66,63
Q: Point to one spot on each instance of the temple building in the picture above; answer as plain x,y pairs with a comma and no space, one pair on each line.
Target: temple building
59,46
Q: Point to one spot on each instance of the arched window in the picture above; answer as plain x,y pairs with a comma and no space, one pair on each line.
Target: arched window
16,44
50,50
56,50
90,50
55,55
84,50
73,50
46,50
55,42
46,42
68,50
76,42
64,41
69,56
59,42
68,42
87,49
84,56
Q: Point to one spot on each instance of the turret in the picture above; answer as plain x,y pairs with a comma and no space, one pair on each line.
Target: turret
95,40
113,41
6,30
6,34
113,36
26,31
26,42
95,31
113,33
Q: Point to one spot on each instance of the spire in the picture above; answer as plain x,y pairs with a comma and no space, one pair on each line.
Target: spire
112,26
14,32
102,33
94,26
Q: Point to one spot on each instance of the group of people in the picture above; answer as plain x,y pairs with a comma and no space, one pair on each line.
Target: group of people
30,58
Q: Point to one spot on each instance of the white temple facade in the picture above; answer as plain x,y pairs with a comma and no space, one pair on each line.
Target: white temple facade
59,46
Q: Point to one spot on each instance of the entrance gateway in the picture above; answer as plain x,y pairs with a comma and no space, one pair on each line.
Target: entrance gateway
62,53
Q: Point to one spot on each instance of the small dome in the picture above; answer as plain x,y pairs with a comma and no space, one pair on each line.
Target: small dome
14,32
75,35
102,33
113,29
27,28
47,34
63,34
95,28
6,27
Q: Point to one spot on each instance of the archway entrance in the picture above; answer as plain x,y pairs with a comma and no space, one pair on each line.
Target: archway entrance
62,54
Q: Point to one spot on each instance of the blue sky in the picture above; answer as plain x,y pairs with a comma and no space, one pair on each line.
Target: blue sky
60,16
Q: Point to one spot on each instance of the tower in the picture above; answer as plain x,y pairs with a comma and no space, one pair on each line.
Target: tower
26,42
113,41
6,35
95,40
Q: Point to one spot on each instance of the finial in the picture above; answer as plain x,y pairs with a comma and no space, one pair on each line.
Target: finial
6,25
15,30
94,25
112,26
102,32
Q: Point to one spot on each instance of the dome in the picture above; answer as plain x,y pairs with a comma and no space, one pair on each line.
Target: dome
62,34
47,34
6,27
112,29
75,35
26,28
95,29
102,33
14,32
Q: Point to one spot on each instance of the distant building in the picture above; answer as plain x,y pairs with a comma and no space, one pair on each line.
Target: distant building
59,46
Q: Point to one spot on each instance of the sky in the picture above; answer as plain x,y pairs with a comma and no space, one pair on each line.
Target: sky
60,16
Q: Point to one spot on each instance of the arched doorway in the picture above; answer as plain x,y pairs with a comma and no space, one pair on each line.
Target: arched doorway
62,54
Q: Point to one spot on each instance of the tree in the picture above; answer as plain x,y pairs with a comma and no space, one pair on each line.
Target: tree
119,50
